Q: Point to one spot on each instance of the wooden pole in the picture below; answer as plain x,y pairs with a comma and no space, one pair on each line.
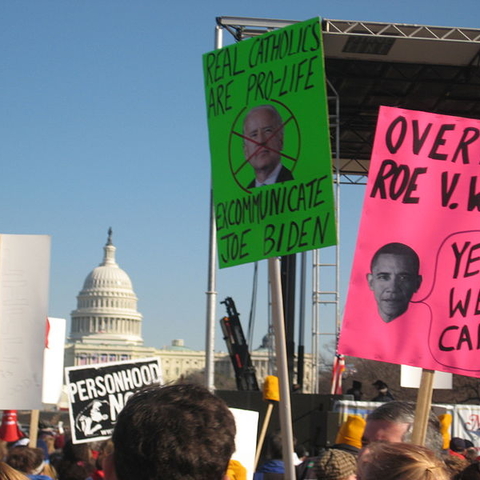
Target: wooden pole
282,367
422,410
34,415
261,438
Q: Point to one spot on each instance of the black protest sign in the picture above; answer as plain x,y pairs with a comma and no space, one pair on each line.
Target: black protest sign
97,394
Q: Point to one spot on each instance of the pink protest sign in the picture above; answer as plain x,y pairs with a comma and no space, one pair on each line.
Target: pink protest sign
414,294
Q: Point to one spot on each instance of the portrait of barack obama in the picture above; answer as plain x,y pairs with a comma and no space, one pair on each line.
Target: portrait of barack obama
263,143
394,278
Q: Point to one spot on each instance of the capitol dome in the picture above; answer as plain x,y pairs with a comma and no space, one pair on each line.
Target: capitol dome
108,275
107,305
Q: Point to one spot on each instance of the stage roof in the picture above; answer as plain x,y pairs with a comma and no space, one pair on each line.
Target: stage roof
368,64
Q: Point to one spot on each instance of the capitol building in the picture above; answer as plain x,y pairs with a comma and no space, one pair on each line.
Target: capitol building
107,327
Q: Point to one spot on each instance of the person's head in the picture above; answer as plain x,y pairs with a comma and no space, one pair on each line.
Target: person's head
76,462
351,432
379,384
274,446
173,432
393,422
472,472
26,460
393,461
9,473
455,464
471,454
382,387
336,465
458,445
301,451
77,452
394,278
263,139
105,449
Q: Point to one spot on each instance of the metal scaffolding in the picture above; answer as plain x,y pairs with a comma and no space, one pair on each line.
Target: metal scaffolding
368,64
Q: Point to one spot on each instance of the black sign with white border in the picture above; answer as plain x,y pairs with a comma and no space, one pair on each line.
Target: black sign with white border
97,393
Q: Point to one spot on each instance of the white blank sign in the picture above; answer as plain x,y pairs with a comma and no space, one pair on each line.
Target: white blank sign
24,277
410,377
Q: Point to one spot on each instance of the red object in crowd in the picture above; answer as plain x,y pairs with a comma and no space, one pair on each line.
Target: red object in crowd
9,430
59,441
98,475
337,372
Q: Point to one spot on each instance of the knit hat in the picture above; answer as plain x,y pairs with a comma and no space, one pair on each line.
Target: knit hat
351,431
335,465
457,444
468,443
236,471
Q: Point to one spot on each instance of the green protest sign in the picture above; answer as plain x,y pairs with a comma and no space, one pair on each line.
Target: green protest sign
270,145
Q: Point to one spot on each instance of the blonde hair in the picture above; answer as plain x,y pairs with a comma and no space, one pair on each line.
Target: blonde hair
49,471
9,473
400,461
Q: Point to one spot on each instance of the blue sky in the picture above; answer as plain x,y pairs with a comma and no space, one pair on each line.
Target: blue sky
104,125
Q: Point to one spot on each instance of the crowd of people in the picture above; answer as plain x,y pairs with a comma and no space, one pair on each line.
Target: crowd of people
185,432
53,459
379,448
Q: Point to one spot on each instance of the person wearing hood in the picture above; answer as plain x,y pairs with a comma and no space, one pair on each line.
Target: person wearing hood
384,394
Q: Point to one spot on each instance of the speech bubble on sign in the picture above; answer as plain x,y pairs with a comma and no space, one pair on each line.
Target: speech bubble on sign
454,299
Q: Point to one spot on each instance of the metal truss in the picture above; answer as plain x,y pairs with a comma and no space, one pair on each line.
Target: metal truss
402,30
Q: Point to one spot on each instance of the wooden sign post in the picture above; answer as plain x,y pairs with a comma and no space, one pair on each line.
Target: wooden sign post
33,435
422,410
282,367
